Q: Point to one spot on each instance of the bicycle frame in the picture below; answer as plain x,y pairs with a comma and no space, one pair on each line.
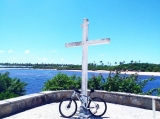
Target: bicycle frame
79,97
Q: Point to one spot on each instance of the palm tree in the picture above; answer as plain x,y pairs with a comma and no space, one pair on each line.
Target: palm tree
101,63
94,63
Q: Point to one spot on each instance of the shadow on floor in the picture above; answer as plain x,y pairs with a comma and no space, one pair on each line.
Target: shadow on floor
92,117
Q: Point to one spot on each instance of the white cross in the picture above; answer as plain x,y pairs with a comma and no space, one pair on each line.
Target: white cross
85,43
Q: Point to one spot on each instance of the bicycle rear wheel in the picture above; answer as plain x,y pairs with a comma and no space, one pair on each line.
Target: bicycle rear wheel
98,107
68,107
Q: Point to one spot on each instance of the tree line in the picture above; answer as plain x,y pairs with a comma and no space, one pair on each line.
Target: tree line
122,66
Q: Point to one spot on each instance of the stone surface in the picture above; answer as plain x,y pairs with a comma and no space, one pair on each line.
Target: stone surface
135,101
157,104
124,100
5,110
15,105
114,111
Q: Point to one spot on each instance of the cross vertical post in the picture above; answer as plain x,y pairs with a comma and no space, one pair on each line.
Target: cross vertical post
85,57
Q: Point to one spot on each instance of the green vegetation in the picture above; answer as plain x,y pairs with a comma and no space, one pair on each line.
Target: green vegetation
124,83
9,87
132,66
62,82
114,82
144,67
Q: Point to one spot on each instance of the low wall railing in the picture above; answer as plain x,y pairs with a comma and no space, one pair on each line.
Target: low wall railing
15,105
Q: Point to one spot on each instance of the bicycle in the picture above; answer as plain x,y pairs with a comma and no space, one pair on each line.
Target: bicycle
68,106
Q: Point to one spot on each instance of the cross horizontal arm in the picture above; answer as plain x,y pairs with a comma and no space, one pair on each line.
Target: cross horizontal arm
73,44
98,42
91,42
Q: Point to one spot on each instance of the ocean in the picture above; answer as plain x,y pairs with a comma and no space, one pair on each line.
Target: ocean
36,78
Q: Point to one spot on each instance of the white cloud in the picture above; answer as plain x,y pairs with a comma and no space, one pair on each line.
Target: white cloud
1,51
62,60
10,51
17,59
102,55
32,56
42,59
52,60
27,52
53,51
23,58
14,58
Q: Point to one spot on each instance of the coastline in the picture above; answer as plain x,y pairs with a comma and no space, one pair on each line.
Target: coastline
13,68
97,71
127,72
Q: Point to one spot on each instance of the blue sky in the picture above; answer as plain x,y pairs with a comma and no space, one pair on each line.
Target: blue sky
35,31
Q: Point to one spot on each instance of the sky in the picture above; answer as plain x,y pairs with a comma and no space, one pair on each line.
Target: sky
35,31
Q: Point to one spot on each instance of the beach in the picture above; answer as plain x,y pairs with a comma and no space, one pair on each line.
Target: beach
127,72
133,72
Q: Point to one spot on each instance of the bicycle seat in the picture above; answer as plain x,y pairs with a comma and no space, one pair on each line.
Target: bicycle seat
76,90
92,90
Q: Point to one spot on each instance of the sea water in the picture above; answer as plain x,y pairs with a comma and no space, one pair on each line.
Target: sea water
36,78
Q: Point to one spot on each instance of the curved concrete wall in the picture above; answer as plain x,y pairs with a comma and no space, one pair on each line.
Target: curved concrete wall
15,105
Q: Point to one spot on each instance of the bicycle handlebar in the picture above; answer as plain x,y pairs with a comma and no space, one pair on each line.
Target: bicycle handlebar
77,91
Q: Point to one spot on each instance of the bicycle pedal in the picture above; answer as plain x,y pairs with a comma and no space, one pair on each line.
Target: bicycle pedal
77,114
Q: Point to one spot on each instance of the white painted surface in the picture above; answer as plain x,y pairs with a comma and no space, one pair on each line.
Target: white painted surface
85,57
154,108
92,42
85,43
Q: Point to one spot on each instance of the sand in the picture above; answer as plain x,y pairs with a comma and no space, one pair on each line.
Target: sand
127,72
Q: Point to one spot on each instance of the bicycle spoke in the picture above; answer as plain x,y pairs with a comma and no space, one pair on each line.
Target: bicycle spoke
68,108
97,107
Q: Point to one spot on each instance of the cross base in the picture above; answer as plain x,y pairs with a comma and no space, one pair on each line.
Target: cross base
83,113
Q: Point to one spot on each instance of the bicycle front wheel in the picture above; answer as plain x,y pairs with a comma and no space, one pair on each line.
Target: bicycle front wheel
97,107
68,107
